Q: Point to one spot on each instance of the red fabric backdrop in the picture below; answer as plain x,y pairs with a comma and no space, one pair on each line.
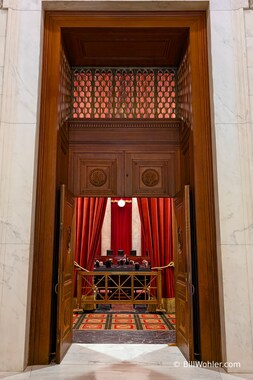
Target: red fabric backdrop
156,220
90,214
121,226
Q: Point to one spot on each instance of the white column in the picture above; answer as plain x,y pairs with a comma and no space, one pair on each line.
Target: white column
18,124
106,229
232,136
136,227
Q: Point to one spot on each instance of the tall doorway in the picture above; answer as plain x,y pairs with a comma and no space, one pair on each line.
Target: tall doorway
195,157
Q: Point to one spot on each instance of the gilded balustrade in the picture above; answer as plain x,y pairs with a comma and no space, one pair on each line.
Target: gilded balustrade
120,287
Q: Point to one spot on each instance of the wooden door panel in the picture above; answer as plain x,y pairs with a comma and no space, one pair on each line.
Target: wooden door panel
66,319
65,274
182,257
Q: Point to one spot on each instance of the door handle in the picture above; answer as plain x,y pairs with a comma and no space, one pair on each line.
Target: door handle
56,288
193,289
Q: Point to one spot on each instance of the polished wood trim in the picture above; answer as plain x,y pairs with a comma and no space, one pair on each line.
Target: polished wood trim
39,347
39,350
130,133
210,330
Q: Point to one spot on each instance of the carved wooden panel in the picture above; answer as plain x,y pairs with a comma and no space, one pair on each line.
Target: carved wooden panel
96,174
183,272
65,273
152,174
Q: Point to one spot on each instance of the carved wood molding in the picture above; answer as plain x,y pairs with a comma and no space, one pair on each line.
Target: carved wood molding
131,123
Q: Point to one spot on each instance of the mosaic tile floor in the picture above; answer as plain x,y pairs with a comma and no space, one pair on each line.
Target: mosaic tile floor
124,328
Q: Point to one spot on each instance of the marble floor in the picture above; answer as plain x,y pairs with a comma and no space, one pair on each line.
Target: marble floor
123,362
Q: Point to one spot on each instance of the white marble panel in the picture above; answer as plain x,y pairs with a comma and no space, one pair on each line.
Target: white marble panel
17,172
14,262
237,4
18,223
250,51
21,165
3,22
1,81
248,23
237,303
22,71
229,67
250,74
2,50
251,108
229,184
24,5
222,5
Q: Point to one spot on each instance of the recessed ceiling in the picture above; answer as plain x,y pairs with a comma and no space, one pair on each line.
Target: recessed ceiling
135,47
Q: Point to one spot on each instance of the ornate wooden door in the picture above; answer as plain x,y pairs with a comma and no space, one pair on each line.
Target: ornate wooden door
65,274
183,273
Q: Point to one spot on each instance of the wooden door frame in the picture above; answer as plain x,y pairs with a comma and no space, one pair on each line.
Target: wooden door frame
209,314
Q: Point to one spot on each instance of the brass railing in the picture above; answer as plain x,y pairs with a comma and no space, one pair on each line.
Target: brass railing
109,287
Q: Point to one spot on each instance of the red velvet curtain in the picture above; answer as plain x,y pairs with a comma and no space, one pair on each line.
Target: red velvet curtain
156,220
121,226
90,214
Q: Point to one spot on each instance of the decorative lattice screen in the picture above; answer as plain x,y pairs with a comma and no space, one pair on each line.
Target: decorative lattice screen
147,93
184,90
64,102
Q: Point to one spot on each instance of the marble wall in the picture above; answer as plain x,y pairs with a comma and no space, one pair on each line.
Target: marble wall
20,58
230,56
3,25
231,78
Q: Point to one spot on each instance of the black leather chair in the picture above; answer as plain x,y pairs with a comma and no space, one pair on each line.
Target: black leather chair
109,252
120,252
133,252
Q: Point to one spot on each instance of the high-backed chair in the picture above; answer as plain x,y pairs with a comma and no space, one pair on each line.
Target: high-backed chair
133,252
109,252
120,252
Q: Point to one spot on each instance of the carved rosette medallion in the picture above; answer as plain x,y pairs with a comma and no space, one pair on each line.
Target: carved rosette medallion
98,177
150,177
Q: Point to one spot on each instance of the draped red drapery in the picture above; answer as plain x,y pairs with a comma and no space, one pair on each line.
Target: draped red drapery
90,214
121,226
156,220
